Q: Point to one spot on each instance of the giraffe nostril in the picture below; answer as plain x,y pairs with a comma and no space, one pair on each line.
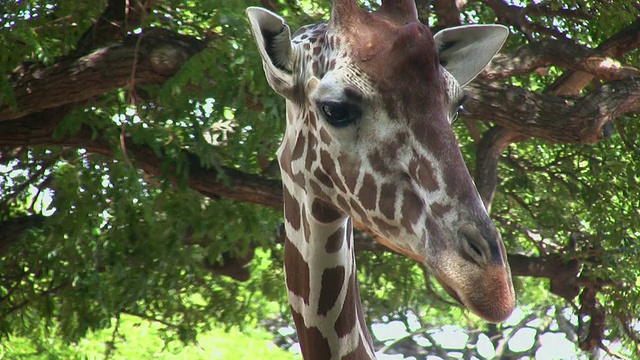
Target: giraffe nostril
475,249
473,244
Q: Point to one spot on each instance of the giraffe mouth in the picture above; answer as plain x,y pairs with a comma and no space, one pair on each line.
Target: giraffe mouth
451,292
492,300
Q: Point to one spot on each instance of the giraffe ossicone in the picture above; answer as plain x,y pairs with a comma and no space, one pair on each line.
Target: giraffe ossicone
370,98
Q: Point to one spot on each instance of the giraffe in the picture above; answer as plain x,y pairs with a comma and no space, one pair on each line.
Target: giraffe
370,97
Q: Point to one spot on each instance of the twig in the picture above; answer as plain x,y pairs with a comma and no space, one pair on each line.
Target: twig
111,344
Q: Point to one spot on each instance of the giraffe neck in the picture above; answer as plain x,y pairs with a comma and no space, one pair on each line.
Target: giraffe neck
322,282
368,132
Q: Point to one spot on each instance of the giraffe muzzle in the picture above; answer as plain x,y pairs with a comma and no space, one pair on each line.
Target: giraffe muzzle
488,294
476,274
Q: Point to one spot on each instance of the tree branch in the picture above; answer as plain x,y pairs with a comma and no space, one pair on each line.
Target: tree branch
563,274
77,80
592,307
626,40
563,53
520,18
448,12
493,143
230,183
118,18
553,118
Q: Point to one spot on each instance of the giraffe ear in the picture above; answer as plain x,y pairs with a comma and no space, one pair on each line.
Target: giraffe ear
273,37
466,50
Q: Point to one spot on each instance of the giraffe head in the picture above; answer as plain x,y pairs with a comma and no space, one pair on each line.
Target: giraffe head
370,100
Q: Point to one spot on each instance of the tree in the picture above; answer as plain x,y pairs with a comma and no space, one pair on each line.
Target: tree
137,141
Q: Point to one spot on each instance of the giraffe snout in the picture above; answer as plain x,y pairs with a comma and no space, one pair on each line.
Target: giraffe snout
475,272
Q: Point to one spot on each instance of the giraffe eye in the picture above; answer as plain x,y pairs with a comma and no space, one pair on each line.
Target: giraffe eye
338,114
460,110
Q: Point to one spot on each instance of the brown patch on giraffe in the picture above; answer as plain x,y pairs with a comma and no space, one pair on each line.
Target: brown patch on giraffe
317,50
390,150
291,209
311,151
298,148
394,232
412,207
385,228
332,282
340,185
350,179
362,321
377,161
422,171
285,164
438,210
317,189
368,192
312,343
325,137
332,64
360,211
359,353
464,191
297,271
401,139
347,318
313,122
435,135
306,229
323,212
381,226
335,241
323,178
327,164
388,153
350,168
436,234
387,201
342,203
299,178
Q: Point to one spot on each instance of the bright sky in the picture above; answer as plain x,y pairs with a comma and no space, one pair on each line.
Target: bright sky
554,345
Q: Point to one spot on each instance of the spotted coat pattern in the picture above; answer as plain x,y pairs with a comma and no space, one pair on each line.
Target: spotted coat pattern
396,169
322,285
